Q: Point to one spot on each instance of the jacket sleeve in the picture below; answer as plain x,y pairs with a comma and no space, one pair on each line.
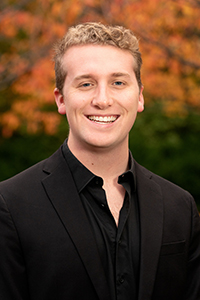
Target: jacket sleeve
192,291
13,280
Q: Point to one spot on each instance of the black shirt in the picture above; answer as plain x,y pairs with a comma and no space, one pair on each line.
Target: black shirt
119,247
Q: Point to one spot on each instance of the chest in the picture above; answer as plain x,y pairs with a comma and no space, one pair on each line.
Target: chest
115,199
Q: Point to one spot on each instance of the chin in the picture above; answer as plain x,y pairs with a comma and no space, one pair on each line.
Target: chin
103,145
97,144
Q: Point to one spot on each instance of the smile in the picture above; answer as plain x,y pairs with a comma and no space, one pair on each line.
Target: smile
103,120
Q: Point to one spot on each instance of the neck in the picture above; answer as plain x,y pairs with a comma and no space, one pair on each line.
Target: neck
104,162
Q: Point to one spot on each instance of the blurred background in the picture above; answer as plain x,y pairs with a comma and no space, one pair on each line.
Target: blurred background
165,137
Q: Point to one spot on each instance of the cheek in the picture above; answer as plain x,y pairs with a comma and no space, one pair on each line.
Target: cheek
72,112
76,100
130,104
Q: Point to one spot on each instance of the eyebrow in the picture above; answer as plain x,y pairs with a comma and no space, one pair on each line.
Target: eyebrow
120,74
88,76
84,76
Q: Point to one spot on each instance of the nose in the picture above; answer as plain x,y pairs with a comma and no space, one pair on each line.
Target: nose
102,99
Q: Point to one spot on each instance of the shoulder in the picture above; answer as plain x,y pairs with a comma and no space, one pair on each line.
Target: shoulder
176,201
167,188
31,177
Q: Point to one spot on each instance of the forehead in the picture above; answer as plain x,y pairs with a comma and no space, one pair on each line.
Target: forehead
97,58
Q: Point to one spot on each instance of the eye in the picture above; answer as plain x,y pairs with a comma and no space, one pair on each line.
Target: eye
118,83
87,84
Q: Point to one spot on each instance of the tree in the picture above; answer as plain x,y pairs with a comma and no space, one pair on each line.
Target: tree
169,33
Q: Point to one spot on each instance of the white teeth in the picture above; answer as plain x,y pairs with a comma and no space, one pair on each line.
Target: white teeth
101,119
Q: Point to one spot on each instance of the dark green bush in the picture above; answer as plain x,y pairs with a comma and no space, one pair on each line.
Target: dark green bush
168,146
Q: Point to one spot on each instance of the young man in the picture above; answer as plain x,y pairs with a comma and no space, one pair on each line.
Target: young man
89,222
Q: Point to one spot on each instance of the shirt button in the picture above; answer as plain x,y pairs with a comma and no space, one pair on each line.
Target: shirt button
121,280
103,205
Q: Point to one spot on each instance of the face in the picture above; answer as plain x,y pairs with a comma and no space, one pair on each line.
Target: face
100,97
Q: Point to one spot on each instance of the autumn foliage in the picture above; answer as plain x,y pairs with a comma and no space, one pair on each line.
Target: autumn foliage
169,33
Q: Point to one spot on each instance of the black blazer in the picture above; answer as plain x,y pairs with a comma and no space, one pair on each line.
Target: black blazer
48,251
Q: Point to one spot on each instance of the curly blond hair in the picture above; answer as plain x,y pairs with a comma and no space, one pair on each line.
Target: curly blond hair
97,34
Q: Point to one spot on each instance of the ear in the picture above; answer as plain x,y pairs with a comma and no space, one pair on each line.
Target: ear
141,100
60,101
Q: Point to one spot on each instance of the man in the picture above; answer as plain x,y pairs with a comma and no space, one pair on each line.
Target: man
90,222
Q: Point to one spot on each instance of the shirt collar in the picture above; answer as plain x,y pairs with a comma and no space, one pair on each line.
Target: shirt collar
129,176
82,176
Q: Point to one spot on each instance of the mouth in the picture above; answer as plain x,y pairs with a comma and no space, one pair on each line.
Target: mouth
103,120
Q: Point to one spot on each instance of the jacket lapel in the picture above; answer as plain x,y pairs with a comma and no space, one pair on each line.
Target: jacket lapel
63,194
151,222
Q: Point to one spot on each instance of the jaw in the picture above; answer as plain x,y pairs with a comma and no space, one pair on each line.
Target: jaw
99,132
